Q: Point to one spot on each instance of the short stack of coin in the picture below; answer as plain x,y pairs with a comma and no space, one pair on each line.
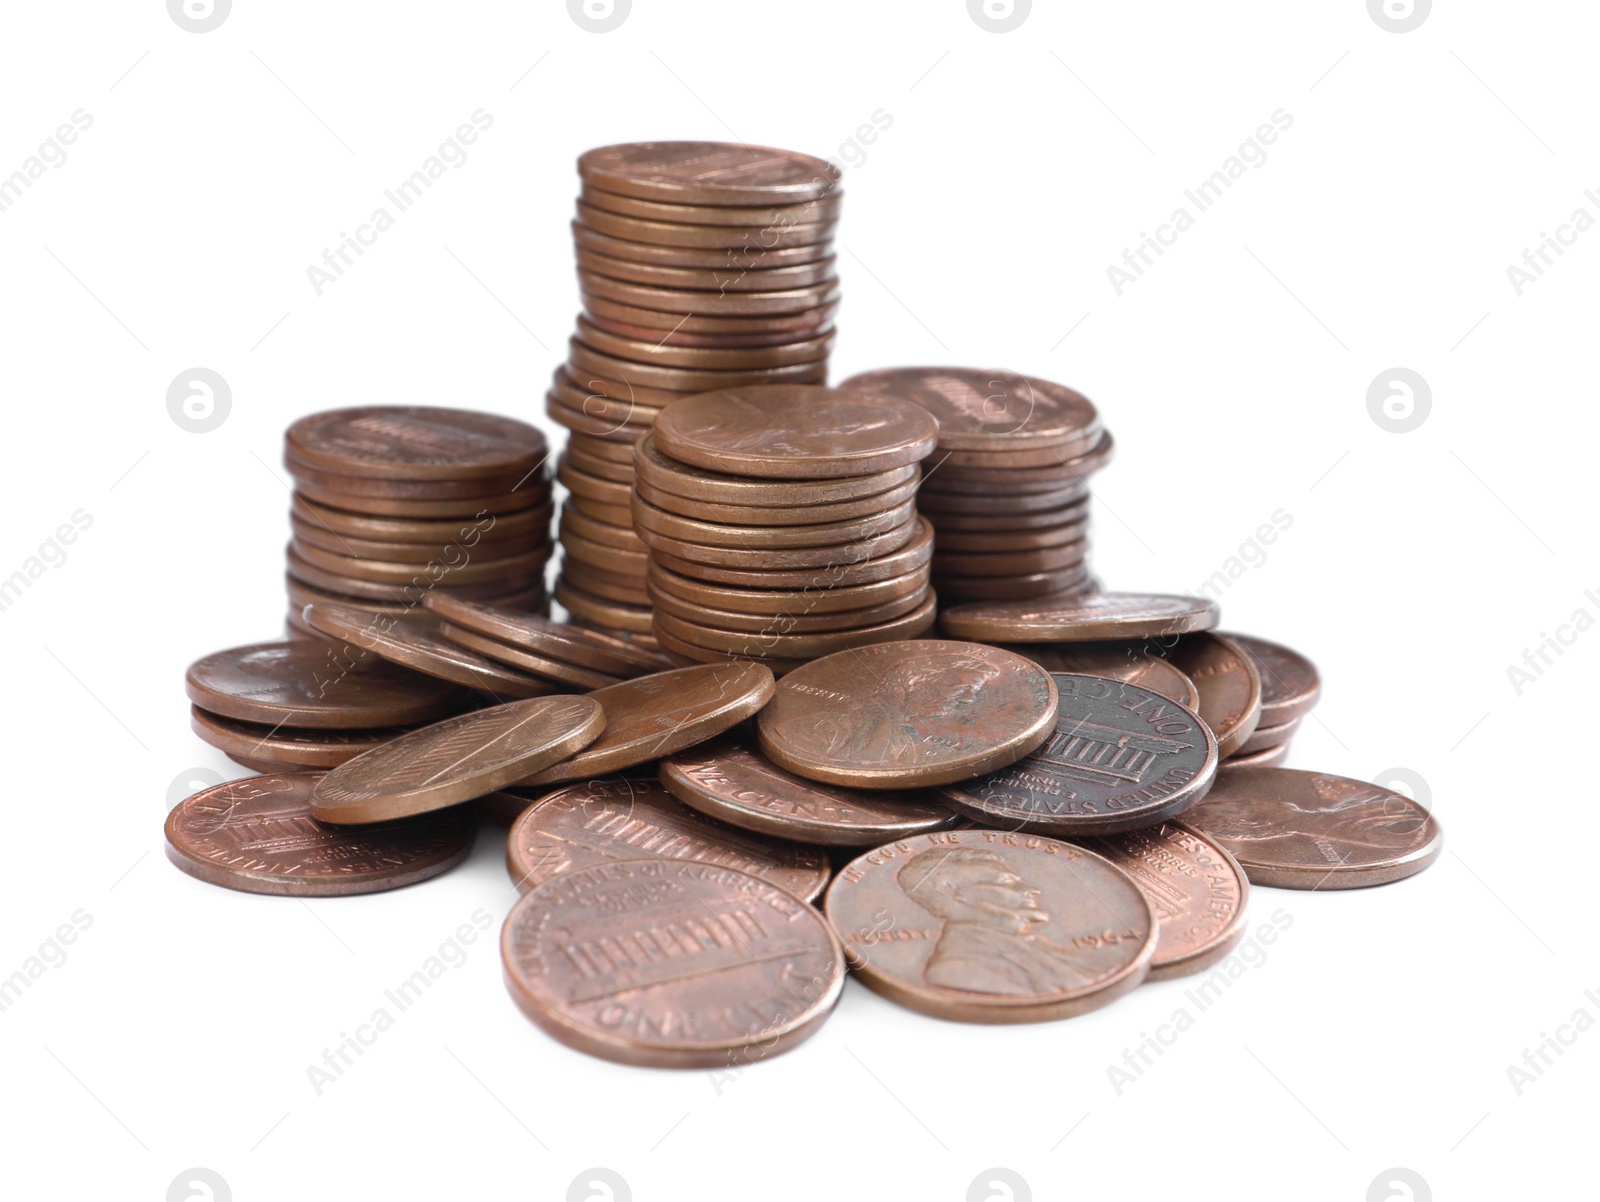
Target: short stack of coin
1290,689
1007,490
393,503
702,266
781,523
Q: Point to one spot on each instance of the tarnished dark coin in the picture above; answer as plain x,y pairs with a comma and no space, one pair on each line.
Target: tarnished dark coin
306,684
987,409
976,525
729,779
456,760
1120,757
561,640
655,715
1081,619
1126,662
760,432
1290,683
992,926
631,818
299,746
415,442
1229,685
257,835
1196,890
993,502
1313,830
909,714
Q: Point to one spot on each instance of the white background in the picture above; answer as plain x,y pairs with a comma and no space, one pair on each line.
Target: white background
976,231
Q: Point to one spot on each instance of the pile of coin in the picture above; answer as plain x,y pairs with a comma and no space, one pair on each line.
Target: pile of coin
781,523
1007,490
702,265
392,503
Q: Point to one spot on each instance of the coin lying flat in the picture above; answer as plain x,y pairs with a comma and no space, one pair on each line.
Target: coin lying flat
1290,683
988,926
987,409
671,963
1120,661
456,760
1269,757
652,716
723,488
1312,830
554,670
631,818
306,684
1080,619
1196,890
561,640
906,715
304,747
1229,685
415,442
731,780
1264,738
257,835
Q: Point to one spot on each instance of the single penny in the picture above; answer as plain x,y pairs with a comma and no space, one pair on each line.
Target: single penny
993,502
414,442
584,360
1057,585
1011,542
1270,757
554,670
987,409
683,302
844,571
1016,523
722,488
422,579
1312,830
824,598
303,683
769,559
825,534
1081,619
529,497
1120,757
671,963
709,279
257,835
458,569
1290,683
803,322
440,555
797,646
456,760
908,714
303,747
1263,738
655,715
622,590
581,525
992,926
1196,890
794,432
709,173
799,620
774,516
1031,561
466,532
631,818
1229,685
609,615
803,213
674,233
1126,662
729,779
729,258
561,640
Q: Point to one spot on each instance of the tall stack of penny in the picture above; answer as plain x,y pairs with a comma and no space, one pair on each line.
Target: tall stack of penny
781,523
1007,490
702,266
392,503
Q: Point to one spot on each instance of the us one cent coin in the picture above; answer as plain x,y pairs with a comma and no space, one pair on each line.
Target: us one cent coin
1127,662
1269,757
562,640
717,487
758,431
306,684
825,534
1057,584
303,747
671,963
709,173
992,926
801,213
846,569
414,442
665,233
715,305
711,279
1081,619
730,780
987,409
816,312
631,818
799,620
588,609
456,760
585,359
1264,738
730,258
796,646
1120,757
655,715
779,515
1229,685
422,579
822,599
460,568
540,665
1196,890
1312,830
1290,683
908,714
407,507
310,534
257,835
860,550
467,532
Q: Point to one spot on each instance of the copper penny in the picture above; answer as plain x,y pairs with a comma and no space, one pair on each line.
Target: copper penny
710,304
1013,524
1312,830
598,611
906,715
1055,584
721,488
583,361
712,279
844,571
777,515
990,926
257,835
300,746
797,646
423,579
561,640
311,534
755,340
806,212
460,568
804,321
468,531
673,233
1081,619
415,442
730,780
709,173
1264,738
800,619
624,590
620,516
688,655
776,602
1008,563
602,448
581,484
457,760
383,487
529,497
594,465
1271,757
603,558
1068,464
994,502
1126,662
1229,685
726,534
626,400
531,600
729,258
859,550
1290,683
655,715
671,963
305,684
540,665
986,409
783,354
1196,890
633,818
988,542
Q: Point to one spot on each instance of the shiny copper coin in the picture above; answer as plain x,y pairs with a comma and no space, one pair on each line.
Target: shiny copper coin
1196,890
620,516
730,780
914,554
533,600
1127,662
789,516
796,646
799,620
306,684
671,963
709,304
587,608
631,563
736,358
624,590
631,818
415,442
1059,583
488,525
560,640
595,465
617,451
652,716
1008,563
688,655
1120,757
668,233
1290,683
314,535
581,484
987,409
301,746
527,661
711,279
421,580
803,213
729,258
457,760
1082,619
858,550
625,417
461,568
1264,738
628,399
725,488
754,340
258,836
990,926
646,517
1271,757
424,490
709,173
1313,830
1230,686
583,360
777,602
1069,464
804,321
399,507
997,502
906,715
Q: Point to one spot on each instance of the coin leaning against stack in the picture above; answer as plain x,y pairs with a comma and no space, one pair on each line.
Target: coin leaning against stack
1007,489
781,523
702,266
392,503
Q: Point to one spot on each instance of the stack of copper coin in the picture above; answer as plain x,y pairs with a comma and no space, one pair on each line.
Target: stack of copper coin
1007,490
393,503
567,657
702,266
781,523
